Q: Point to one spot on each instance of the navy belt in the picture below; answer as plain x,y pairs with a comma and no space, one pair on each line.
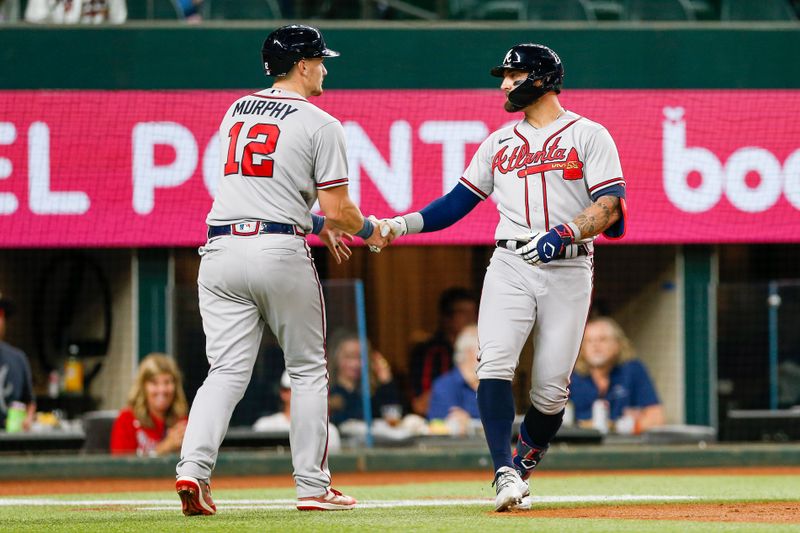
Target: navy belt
513,245
257,227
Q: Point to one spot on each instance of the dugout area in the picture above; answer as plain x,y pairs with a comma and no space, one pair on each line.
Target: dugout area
110,307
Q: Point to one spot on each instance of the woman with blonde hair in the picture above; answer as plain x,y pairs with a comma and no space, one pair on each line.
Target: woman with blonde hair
344,399
606,370
154,421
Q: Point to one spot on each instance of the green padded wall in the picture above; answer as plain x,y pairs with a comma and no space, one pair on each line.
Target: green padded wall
394,56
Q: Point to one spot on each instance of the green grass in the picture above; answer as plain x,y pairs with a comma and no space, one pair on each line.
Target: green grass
99,518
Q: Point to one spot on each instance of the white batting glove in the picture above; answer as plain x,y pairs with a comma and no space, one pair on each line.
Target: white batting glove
397,225
530,252
547,246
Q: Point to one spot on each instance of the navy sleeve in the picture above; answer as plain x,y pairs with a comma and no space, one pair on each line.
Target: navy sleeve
644,393
449,209
614,190
617,229
29,396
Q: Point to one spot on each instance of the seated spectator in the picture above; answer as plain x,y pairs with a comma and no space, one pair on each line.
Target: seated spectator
76,11
189,10
454,394
344,400
15,374
280,420
606,370
458,308
9,11
154,420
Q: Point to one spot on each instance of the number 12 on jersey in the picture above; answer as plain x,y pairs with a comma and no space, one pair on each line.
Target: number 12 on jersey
256,147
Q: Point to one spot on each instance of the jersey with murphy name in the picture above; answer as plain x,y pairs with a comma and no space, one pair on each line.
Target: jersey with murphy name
277,149
542,177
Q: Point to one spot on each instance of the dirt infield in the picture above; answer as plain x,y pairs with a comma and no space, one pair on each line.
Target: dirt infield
767,512
103,485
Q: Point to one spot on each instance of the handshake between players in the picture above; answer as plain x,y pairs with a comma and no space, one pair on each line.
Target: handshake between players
381,233
534,247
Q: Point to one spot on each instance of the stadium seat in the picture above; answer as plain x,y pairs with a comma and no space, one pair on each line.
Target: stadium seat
658,10
702,9
489,10
757,10
604,9
559,10
243,9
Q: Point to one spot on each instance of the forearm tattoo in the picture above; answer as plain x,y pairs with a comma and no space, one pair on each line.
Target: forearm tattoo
599,216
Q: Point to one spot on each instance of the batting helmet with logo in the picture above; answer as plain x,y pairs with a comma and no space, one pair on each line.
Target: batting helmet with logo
541,63
289,44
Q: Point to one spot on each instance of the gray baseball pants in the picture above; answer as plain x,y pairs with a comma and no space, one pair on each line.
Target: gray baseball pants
243,283
551,299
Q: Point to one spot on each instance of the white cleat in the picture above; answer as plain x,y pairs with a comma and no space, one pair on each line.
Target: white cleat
332,500
524,505
511,489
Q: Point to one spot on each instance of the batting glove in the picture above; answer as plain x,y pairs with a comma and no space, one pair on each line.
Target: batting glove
398,225
544,247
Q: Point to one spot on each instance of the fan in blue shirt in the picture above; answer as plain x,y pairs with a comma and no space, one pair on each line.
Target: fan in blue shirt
454,394
605,370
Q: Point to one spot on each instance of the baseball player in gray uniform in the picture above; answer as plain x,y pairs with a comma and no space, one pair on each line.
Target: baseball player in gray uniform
279,154
558,183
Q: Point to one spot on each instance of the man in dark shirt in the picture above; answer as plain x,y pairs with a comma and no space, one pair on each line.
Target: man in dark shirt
458,307
15,374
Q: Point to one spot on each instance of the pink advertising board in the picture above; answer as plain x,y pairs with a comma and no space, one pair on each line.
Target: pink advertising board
138,168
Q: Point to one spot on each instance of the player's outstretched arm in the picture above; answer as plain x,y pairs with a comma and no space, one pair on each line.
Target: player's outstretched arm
595,219
439,214
342,214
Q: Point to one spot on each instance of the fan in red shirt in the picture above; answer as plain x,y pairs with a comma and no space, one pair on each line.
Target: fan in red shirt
154,420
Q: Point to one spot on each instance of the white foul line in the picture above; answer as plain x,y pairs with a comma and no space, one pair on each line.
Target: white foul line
277,504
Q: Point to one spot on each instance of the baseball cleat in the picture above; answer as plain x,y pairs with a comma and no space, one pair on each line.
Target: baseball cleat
195,496
332,500
524,505
510,488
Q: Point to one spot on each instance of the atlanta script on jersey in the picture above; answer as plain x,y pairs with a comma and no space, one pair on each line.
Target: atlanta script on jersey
544,177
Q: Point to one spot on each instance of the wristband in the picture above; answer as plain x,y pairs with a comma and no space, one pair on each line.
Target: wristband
576,232
414,222
317,222
366,230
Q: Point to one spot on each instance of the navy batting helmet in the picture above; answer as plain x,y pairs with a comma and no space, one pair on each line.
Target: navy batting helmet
289,44
541,63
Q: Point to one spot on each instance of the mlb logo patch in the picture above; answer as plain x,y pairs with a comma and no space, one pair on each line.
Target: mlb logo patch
245,228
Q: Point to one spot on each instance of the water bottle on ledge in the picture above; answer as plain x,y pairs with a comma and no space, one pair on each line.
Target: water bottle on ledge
600,415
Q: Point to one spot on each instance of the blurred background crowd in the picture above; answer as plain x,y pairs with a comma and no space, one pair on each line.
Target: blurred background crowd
194,11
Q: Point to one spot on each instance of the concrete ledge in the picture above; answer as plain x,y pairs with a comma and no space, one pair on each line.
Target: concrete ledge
562,457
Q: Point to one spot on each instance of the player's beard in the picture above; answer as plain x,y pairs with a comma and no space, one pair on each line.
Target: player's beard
511,108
